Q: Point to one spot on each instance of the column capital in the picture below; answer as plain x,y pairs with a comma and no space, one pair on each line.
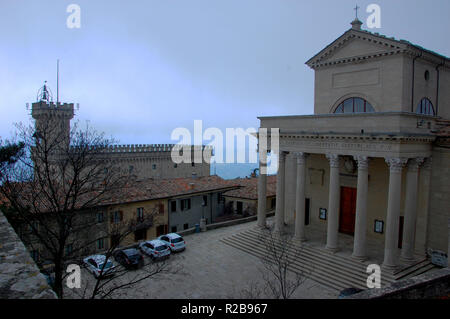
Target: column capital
333,159
301,157
363,161
414,163
282,155
396,163
427,163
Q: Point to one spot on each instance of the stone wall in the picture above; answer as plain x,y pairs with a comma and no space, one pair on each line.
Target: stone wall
20,278
434,285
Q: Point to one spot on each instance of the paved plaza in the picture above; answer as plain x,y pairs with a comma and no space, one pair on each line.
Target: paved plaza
208,268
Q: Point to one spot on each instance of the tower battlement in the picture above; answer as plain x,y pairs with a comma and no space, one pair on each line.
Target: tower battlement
139,148
44,109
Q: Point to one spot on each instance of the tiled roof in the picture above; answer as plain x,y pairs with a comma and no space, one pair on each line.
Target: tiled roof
150,189
249,187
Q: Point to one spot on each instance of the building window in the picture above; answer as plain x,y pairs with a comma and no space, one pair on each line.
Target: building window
205,200
140,214
193,164
173,229
186,204
100,243
173,206
220,198
140,234
175,165
186,226
100,217
131,169
425,107
116,217
161,208
355,105
273,203
154,166
69,249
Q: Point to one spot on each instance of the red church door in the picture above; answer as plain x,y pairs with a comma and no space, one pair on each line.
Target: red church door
348,210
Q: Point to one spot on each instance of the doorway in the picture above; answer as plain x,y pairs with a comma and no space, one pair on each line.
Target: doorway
347,210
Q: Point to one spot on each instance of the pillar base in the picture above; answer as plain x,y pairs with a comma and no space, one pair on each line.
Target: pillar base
360,258
390,268
265,226
408,260
332,249
300,239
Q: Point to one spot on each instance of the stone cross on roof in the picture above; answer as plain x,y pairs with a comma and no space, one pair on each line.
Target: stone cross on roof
356,10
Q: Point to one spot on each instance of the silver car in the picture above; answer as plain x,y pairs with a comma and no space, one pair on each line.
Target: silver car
156,249
174,241
96,265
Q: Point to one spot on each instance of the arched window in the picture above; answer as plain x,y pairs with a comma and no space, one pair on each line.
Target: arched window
425,107
355,105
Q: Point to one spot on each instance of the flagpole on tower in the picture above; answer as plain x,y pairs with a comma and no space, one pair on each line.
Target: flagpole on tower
57,82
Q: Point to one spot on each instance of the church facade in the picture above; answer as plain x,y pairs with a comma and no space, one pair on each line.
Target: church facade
373,162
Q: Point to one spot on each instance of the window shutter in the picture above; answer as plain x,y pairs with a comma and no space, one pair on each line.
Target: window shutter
121,215
182,204
189,203
111,215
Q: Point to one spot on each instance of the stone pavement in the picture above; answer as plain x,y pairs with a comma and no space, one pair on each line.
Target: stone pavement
210,269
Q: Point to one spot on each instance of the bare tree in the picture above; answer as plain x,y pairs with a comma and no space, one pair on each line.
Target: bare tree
52,184
280,254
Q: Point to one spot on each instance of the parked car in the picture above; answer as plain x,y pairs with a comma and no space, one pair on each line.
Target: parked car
348,292
174,241
156,249
129,258
96,265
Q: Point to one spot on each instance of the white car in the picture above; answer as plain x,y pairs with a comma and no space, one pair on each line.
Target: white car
174,241
95,264
156,249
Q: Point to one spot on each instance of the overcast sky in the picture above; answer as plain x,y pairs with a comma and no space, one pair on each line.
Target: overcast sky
139,69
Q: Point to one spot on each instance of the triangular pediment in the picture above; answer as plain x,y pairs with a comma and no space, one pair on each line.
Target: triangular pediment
355,45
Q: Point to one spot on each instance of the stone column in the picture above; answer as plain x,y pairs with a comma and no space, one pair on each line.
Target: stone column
262,188
420,241
279,209
409,229
290,185
333,203
300,197
359,243
393,211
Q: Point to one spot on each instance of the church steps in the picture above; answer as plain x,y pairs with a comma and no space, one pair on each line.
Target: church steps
325,279
331,258
320,270
325,275
311,260
320,265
